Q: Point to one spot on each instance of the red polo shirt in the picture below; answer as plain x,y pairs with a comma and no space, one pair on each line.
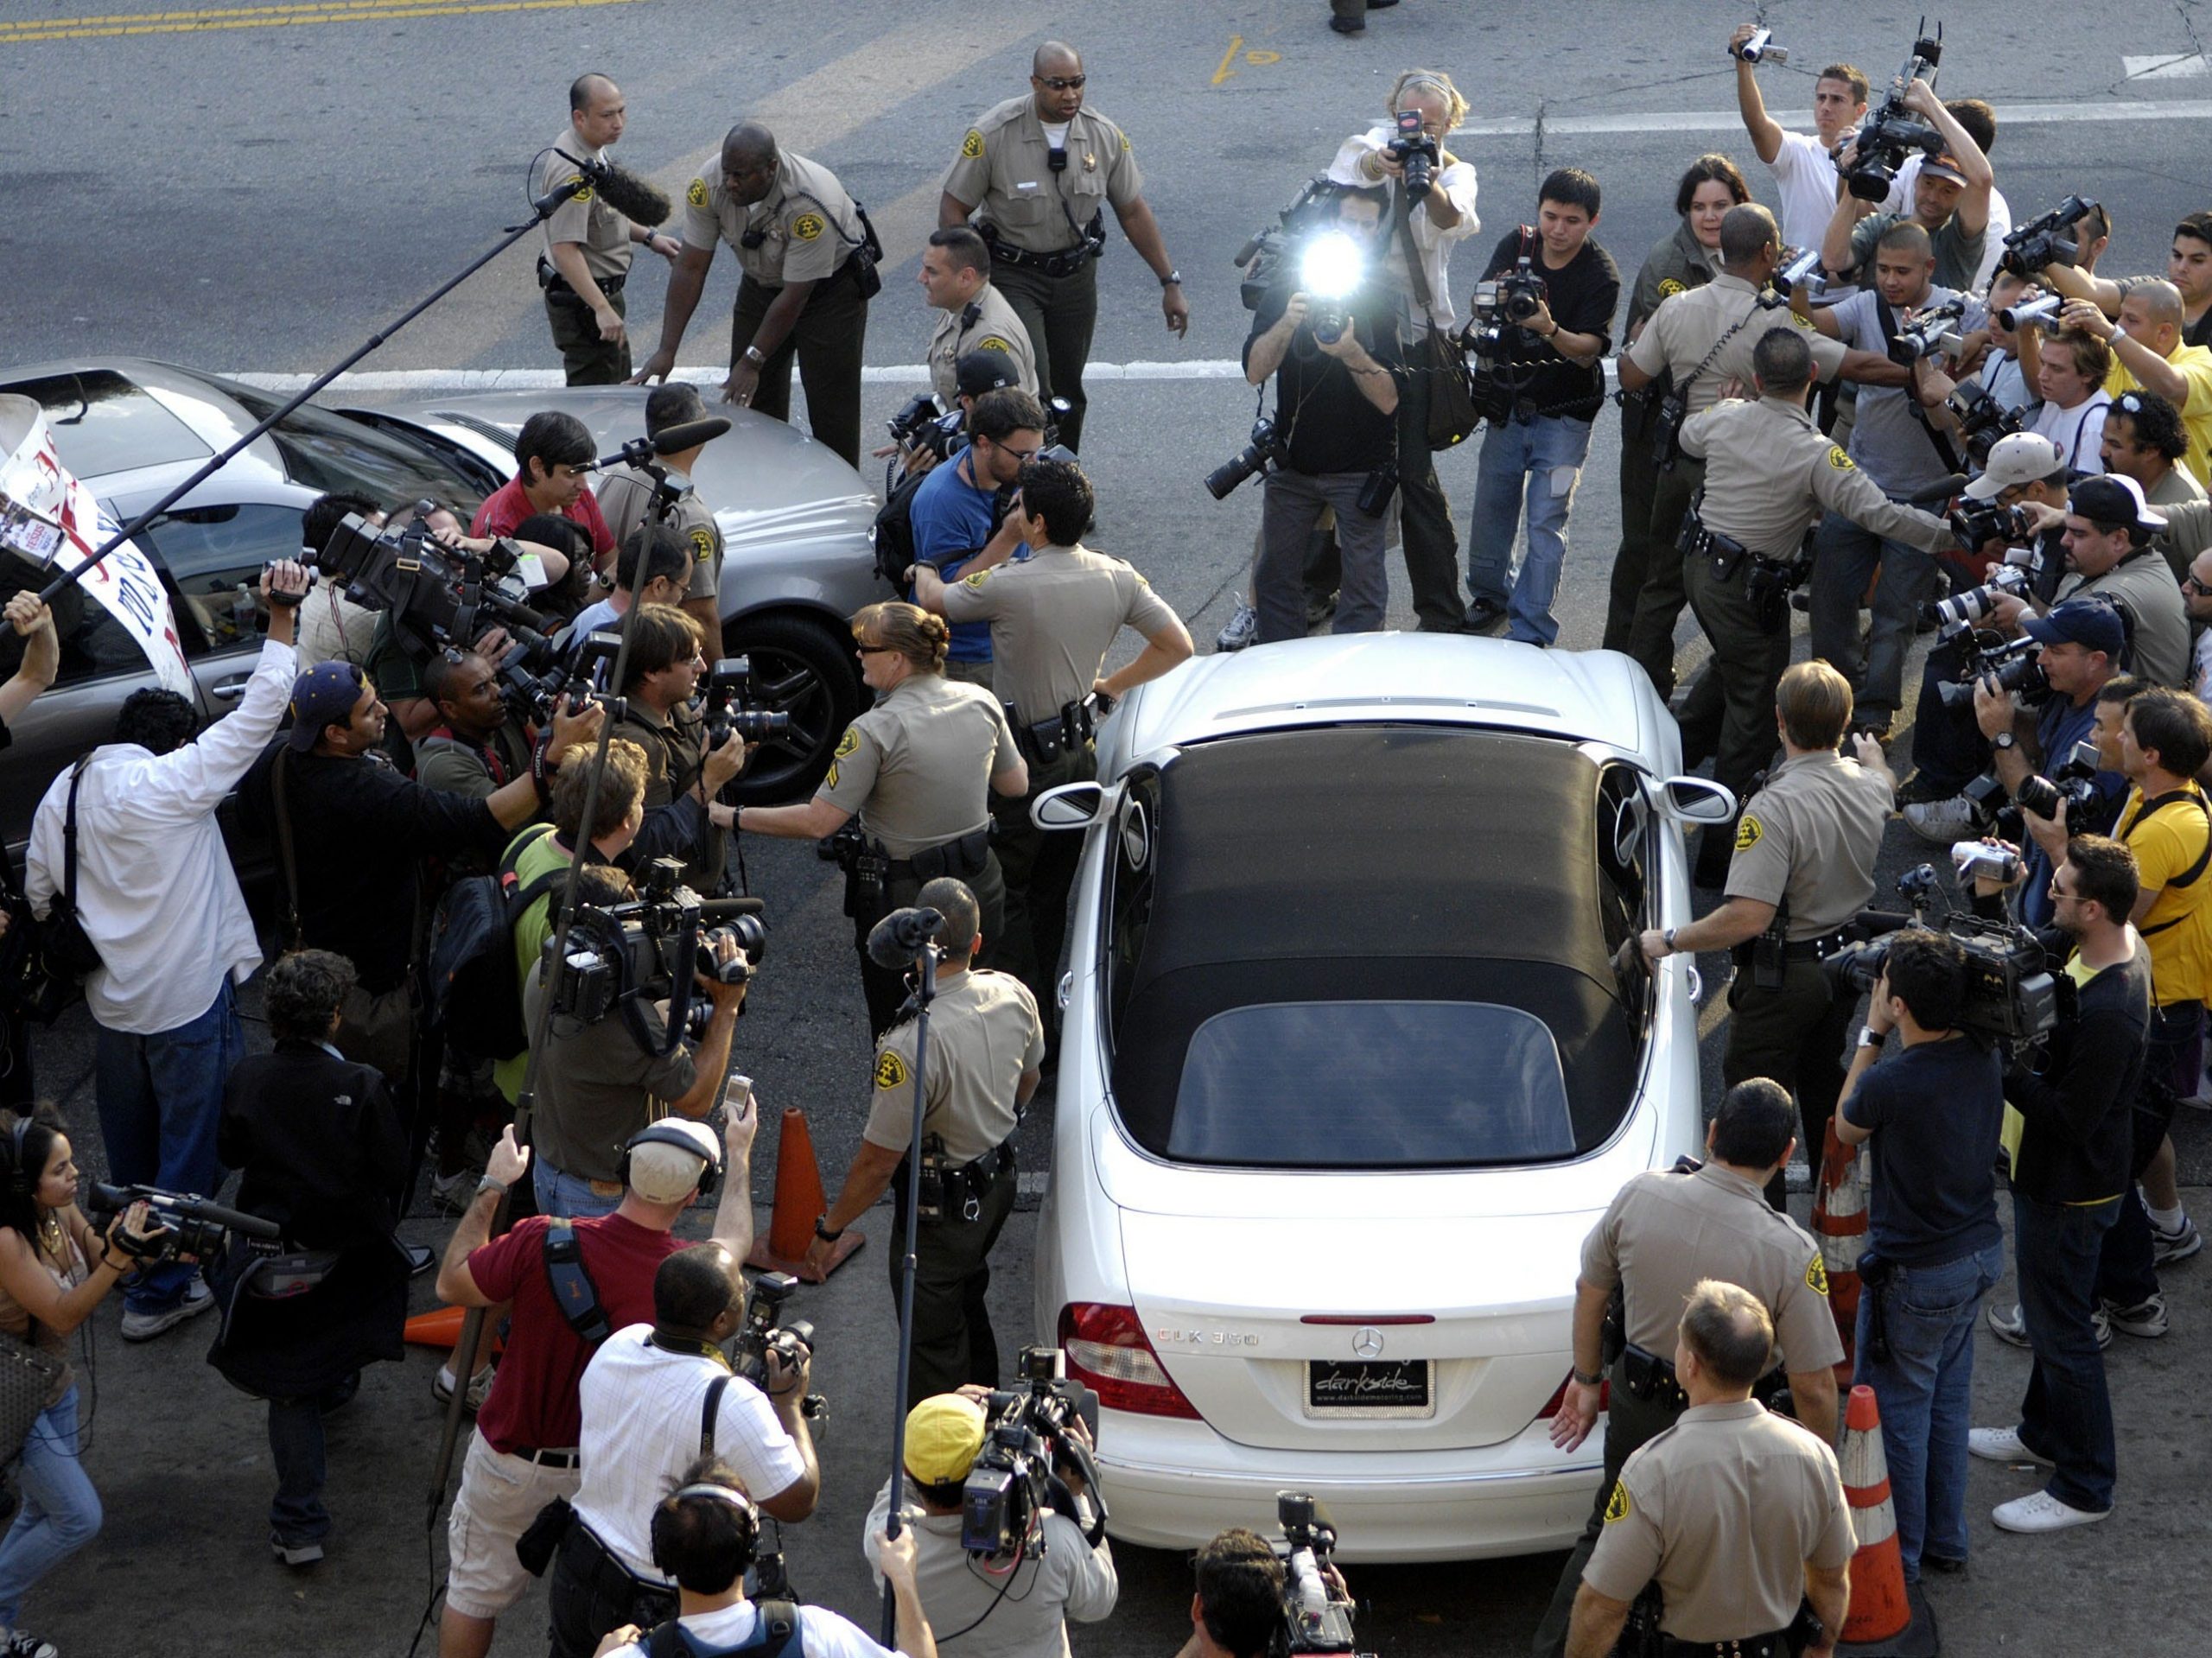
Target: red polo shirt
507,506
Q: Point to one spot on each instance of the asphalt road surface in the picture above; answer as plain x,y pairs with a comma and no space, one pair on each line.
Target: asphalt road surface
258,189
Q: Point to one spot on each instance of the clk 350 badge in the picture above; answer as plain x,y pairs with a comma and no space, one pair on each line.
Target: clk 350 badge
1207,1337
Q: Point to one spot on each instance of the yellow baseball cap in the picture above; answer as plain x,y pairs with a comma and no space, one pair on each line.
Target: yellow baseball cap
943,1434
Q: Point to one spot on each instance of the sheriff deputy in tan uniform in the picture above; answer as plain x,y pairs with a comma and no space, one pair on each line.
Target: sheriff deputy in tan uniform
918,768
1038,171
1053,617
956,275
1803,867
1738,1514
588,244
809,261
1664,1232
626,497
986,1050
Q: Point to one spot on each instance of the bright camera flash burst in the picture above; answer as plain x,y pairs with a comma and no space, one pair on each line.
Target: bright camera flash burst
1333,267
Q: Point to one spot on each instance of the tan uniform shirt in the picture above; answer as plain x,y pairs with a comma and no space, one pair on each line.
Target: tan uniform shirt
1004,171
1686,327
984,1032
625,495
1724,1509
1812,835
985,323
916,767
809,225
583,217
1770,472
1664,1231
1053,617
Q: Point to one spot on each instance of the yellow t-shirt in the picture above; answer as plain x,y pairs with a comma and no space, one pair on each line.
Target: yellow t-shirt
2194,364
2178,927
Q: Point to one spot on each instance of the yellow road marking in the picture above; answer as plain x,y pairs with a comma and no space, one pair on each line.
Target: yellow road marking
1263,58
231,18
1223,72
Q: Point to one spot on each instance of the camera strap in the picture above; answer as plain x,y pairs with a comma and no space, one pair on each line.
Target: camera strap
709,1409
573,1291
2195,872
775,1632
281,809
1944,453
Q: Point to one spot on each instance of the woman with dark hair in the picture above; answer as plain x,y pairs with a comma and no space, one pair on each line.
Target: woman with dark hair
1688,257
54,1269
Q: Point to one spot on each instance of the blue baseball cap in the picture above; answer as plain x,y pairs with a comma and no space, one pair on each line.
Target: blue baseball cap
324,696
2094,623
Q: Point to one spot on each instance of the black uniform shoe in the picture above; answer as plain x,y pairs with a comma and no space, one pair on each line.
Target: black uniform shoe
1348,25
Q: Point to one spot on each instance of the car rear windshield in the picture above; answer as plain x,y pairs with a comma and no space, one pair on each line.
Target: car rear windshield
1371,1084
330,453
102,423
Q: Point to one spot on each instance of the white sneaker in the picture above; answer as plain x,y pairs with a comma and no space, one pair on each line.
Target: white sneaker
480,1387
1945,823
1242,629
2013,1326
2001,1444
2041,1511
144,1326
2146,1321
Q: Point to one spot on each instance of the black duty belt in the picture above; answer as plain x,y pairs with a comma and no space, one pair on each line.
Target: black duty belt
1063,262
1047,739
962,857
554,282
1774,1645
957,1193
548,1459
1814,949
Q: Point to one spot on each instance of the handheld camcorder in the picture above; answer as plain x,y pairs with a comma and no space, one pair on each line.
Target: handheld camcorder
191,1226
1416,153
1263,452
1802,270
1761,48
2011,997
1891,131
651,947
2045,240
1974,860
730,696
1317,1616
1017,1474
438,598
1935,329
1983,421
2041,312
2010,662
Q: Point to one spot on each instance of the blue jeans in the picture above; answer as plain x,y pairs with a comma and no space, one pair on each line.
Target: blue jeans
1552,449
296,1445
1844,559
562,1196
1924,1388
60,1512
2067,1415
160,1097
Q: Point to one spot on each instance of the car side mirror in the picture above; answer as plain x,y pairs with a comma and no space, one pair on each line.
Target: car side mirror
1697,800
1070,806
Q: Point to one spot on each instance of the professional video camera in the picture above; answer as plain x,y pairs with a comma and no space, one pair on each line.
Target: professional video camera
1935,329
2010,662
1983,421
1891,132
438,597
1262,259
1416,153
2073,782
2043,239
1316,1614
538,694
1017,1473
2011,997
729,693
650,946
919,425
191,1226
1264,451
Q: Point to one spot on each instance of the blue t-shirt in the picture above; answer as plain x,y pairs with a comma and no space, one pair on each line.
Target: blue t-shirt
2058,727
1936,1110
951,517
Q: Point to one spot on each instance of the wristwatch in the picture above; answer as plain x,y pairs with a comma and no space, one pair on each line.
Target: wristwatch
1588,1378
752,356
1172,279
1868,1038
2003,741
487,1184
1668,939
823,1232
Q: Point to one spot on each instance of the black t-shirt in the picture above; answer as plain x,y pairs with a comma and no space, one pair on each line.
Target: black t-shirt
1582,296
1937,1110
2198,333
2079,1118
1322,417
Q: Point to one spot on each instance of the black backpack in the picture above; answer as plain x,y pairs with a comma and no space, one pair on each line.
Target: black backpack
473,990
894,532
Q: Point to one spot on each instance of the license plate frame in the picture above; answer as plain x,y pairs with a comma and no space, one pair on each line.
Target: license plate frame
1367,1386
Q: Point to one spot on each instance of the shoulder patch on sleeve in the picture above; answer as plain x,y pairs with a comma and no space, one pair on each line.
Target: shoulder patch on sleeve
849,743
829,778
696,195
1125,143
807,226
976,580
702,543
1839,460
1748,831
992,342
972,145
1617,1504
1669,288
583,194
890,1070
1816,1275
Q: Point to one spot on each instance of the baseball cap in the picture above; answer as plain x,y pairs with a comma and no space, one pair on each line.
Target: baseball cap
2091,622
943,1434
1945,166
2023,458
2114,498
324,696
985,370
664,1172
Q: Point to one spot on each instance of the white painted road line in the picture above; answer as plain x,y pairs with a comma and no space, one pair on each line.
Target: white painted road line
2011,115
2163,65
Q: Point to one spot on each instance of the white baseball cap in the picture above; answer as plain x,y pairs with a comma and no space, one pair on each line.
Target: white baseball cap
2023,458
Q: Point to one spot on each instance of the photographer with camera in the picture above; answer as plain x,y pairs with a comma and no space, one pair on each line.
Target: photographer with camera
1934,1113
1736,1518
706,1535
626,496
126,844
2189,269
320,1151
654,1399
553,455
1802,163
2150,355
1664,1233
1950,201
685,769
1015,1605
1237,1608
958,519
333,628
986,1053
2111,538
2068,1134
523,1454
1332,348
55,1272
478,744
1547,334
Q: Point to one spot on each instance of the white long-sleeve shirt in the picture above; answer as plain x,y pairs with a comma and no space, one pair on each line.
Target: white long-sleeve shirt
154,887
1457,183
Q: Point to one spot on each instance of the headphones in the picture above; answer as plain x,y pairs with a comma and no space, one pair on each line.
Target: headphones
747,1519
665,1132
19,1177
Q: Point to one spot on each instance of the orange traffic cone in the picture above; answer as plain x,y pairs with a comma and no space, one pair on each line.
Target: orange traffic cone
799,1200
441,1327
1839,1223
1878,1609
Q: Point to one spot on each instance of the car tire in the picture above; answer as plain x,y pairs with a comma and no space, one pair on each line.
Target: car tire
808,670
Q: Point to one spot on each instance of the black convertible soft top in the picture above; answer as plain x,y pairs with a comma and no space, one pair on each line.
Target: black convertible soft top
1377,863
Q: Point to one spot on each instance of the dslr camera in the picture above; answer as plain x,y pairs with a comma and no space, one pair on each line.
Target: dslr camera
2011,996
648,948
1316,1614
1263,452
919,425
2073,782
1416,153
1018,1473
439,598
191,1226
2043,241
2010,662
1891,131
1961,611
730,698
1983,421
765,1330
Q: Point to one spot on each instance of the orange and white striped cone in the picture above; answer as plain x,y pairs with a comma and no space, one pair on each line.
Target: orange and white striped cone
1885,1617
1840,1225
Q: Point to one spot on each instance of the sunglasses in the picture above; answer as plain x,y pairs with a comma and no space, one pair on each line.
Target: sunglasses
2190,584
1061,83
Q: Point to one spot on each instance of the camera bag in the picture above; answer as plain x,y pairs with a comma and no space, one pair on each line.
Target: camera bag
26,1378
63,939
1453,416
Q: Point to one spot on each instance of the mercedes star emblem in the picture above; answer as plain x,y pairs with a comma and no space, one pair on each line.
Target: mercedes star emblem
1367,1342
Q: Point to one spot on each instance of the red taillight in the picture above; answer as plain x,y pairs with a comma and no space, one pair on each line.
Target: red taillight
1558,1398
1107,1352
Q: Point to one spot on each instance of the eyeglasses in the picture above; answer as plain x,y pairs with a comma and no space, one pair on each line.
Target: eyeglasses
1061,83
2190,584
